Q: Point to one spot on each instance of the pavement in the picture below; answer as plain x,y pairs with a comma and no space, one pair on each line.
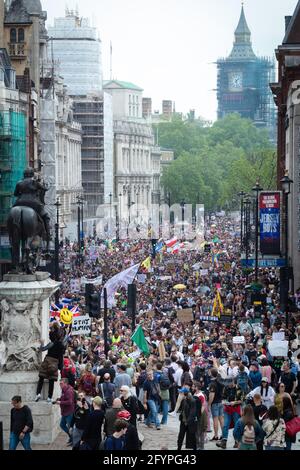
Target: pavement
153,439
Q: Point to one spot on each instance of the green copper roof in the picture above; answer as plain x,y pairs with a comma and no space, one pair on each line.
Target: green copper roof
125,85
242,27
242,47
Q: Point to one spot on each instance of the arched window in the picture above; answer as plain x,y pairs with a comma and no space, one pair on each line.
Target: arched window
13,35
21,35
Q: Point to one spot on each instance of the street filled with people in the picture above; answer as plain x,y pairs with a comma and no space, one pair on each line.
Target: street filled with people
217,357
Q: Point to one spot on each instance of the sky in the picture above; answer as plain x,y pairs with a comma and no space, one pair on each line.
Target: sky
168,47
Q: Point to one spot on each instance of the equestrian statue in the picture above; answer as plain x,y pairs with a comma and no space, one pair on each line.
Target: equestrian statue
28,223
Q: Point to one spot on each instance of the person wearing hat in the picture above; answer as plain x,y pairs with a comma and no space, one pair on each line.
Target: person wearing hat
132,441
266,391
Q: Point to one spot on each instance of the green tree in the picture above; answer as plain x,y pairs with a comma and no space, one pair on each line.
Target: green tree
212,164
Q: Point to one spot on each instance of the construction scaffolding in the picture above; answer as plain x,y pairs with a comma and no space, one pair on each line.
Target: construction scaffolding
12,165
254,101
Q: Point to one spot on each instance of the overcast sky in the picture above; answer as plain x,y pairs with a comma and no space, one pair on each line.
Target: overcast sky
168,47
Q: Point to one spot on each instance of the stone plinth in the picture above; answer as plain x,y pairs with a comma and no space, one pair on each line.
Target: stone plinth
24,305
46,418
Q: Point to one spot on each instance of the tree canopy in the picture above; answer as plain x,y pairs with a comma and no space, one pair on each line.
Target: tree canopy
212,164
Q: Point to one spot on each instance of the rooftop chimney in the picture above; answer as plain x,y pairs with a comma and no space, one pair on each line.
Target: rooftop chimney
287,22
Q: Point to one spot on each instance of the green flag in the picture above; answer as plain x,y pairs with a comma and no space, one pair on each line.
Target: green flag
138,338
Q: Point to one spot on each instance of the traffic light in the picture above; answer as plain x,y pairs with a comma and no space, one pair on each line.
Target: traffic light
92,301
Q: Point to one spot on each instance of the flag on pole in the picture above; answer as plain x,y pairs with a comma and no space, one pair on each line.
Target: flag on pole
172,242
139,339
159,246
218,307
146,264
121,279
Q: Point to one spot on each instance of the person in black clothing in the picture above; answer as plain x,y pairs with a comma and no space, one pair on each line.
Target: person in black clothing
140,381
129,403
79,420
21,424
107,369
215,390
288,378
173,387
53,360
260,413
288,414
92,433
107,391
132,441
190,412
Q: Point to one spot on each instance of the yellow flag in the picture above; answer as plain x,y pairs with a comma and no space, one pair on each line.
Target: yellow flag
218,307
146,264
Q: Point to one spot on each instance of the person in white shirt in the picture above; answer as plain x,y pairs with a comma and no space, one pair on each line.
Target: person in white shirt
229,370
266,391
178,374
245,327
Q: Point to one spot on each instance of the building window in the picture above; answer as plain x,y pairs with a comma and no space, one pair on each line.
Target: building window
129,99
13,35
129,110
21,35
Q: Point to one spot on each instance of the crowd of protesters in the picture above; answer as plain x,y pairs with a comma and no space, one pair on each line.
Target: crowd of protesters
195,372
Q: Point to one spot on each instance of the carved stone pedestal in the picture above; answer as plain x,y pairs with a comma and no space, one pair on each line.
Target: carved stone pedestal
24,306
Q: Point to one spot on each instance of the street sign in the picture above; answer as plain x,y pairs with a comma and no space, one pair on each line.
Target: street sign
264,263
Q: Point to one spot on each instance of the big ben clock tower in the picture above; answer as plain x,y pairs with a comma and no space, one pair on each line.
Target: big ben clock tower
243,81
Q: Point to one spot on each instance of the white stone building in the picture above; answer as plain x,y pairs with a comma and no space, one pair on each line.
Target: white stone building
136,158
61,155
293,167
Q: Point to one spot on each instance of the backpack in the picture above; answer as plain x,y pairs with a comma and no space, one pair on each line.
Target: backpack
171,371
248,435
197,374
88,385
243,382
164,382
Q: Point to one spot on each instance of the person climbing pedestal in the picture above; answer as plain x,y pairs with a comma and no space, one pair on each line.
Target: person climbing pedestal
24,307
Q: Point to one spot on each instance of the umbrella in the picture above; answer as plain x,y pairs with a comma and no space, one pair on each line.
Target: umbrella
179,287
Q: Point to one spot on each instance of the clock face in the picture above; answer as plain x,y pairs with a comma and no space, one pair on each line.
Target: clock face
235,81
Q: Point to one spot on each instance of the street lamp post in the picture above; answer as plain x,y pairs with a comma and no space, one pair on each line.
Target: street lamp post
79,202
182,204
242,195
247,205
82,236
118,217
129,206
257,189
56,257
110,211
286,183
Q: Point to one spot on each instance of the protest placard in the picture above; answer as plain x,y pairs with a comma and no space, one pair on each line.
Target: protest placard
278,348
81,325
278,336
238,340
185,315
203,272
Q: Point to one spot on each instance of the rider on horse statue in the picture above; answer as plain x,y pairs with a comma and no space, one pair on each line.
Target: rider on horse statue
30,192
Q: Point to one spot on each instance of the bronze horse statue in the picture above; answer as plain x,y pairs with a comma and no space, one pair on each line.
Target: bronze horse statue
26,231
28,223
